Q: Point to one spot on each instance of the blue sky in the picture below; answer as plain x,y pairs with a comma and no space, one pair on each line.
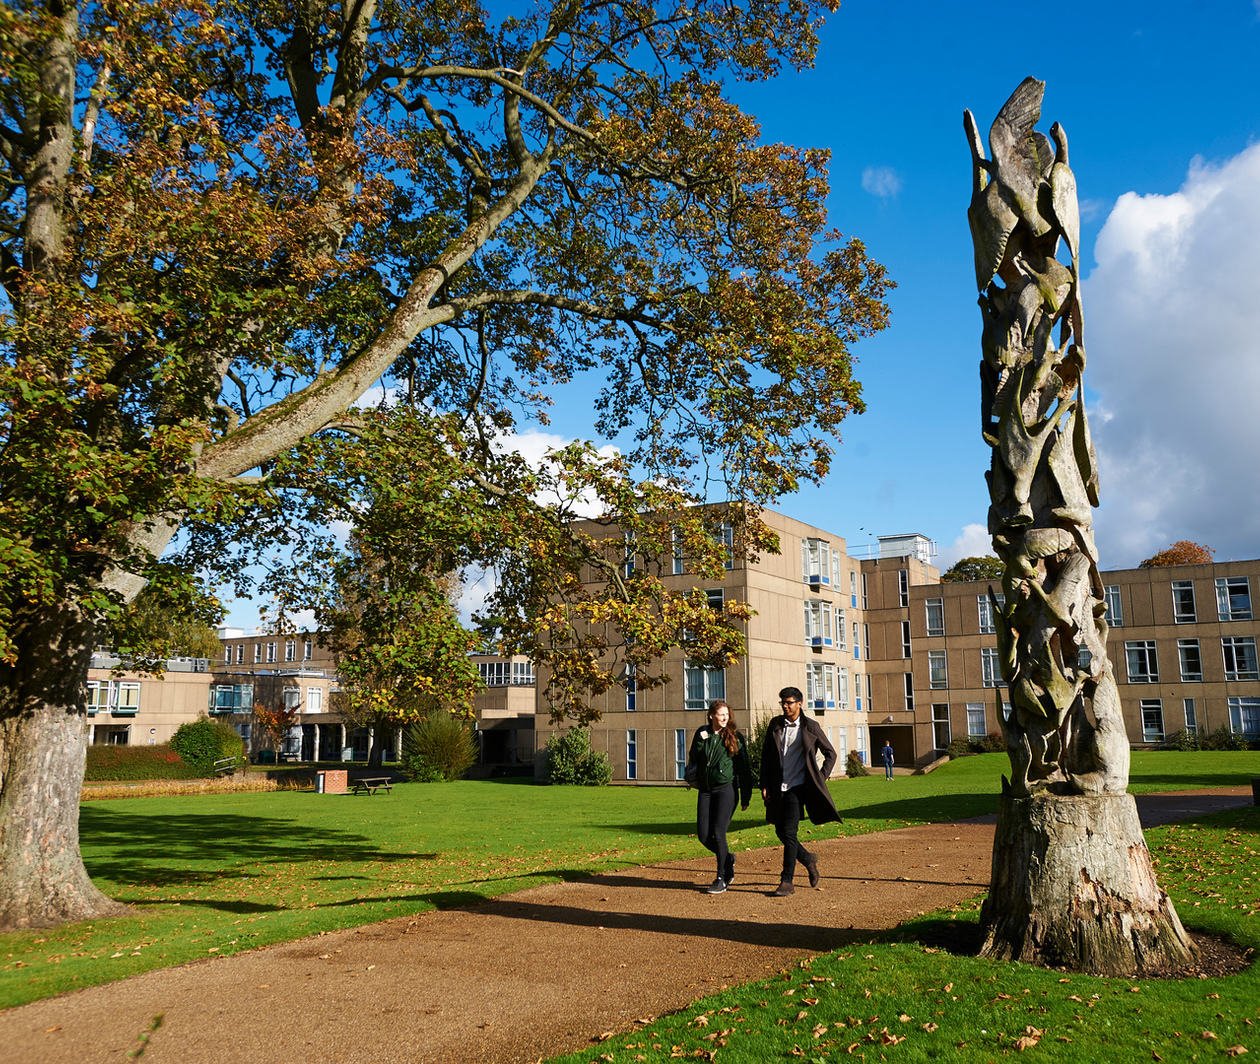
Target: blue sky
1161,104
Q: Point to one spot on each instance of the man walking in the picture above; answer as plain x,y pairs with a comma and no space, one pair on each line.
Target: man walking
889,757
792,783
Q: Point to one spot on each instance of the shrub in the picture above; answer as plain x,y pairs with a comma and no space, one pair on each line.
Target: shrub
854,766
1224,739
437,748
1183,740
137,763
570,760
970,744
202,742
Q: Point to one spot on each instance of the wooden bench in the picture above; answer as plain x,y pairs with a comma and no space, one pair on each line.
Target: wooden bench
371,786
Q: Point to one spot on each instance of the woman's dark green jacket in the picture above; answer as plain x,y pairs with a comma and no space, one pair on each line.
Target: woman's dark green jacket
715,767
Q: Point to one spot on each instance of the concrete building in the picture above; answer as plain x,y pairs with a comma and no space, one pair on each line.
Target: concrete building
130,708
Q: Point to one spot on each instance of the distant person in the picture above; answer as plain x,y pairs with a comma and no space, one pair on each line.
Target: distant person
792,783
718,766
889,756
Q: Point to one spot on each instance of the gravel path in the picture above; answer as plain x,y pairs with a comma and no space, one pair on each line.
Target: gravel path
530,974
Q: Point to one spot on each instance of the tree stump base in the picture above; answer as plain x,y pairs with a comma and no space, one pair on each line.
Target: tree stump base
1073,887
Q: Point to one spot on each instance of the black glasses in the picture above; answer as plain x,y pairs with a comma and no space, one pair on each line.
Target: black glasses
789,701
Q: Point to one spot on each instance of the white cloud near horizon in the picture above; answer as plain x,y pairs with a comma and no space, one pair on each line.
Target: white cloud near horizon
973,541
883,182
1172,334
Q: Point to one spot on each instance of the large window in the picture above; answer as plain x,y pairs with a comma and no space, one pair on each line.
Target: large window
678,566
820,686
853,588
935,612
632,688
1152,720
984,608
905,639
680,753
1233,598
1192,718
632,754
976,727
1190,660
1143,665
857,646
819,623
940,725
314,700
726,533
816,561
119,697
909,682
990,671
271,653
903,588
240,653
1115,611
937,676
842,686
703,685
290,650
1183,602
232,698
308,649
1244,717
506,673
1240,657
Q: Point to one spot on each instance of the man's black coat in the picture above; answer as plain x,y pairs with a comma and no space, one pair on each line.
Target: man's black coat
818,804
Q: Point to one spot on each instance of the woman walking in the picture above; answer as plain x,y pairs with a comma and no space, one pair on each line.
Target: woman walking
718,765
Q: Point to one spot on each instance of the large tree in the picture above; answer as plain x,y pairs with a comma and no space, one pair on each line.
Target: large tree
222,222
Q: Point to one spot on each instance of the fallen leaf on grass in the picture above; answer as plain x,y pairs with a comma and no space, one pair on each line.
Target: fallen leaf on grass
1235,1051
1208,1036
930,1027
1029,1038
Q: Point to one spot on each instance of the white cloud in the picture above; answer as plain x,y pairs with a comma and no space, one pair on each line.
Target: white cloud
972,542
881,181
1172,330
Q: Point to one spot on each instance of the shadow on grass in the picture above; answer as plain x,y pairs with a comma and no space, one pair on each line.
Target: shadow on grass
1182,781
157,850
931,809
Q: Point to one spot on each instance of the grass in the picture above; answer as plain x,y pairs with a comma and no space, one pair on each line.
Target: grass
905,998
218,874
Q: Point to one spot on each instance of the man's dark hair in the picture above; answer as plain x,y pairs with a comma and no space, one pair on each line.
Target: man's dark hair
791,692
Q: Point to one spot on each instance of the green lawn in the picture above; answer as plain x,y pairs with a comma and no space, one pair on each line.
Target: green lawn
219,874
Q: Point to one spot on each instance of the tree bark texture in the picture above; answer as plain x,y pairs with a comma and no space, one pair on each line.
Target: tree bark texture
1073,887
1072,880
43,750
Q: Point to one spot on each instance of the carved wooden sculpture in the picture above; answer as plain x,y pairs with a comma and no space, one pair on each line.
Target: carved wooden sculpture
1072,879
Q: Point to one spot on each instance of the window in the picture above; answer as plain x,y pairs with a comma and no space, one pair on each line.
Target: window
976,728
1139,655
232,698
227,655
842,746
1240,657
680,753
627,553
1190,661
940,725
937,676
857,692
240,653
314,700
1192,719
864,605
1115,613
271,653
853,588
677,541
816,561
840,623
632,754
903,588
1183,601
857,647
820,686
292,698
842,687
990,671
1084,657
984,607
1152,720
522,674
290,650
1233,598
909,682
866,641
935,610
819,623
308,649
1244,717
703,685
727,534
715,597
119,697
632,688
257,653
905,639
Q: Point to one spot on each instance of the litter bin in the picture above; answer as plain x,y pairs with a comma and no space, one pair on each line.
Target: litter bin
319,783
347,753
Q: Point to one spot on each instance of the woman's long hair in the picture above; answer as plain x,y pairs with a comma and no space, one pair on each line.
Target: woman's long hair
729,734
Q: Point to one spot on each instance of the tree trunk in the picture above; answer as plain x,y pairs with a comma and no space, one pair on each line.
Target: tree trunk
1073,888
43,749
